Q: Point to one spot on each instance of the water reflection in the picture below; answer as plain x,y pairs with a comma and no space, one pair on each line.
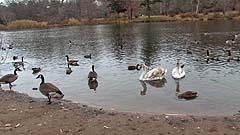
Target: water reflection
156,83
93,85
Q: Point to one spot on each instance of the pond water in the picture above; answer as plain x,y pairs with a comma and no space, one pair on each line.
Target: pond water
114,47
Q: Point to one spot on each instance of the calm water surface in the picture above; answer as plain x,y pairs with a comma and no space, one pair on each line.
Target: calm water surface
216,82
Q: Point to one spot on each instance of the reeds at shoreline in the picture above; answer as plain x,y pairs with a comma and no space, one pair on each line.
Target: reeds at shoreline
30,24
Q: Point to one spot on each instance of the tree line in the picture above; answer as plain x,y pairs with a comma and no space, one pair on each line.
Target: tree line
55,11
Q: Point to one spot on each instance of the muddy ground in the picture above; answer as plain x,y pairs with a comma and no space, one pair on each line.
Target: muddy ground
24,115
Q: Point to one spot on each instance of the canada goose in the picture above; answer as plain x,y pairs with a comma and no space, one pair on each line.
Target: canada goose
178,71
157,73
92,75
72,62
231,42
18,63
138,67
88,56
9,78
230,57
36,70
15,57
49,90
187,95
69,70
211,56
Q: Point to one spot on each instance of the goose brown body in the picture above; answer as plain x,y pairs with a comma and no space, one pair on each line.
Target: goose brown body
49,90
9,78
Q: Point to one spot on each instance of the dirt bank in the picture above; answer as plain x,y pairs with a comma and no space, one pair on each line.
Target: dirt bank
24,115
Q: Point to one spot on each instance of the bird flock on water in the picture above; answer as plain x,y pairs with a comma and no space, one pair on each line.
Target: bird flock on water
158,73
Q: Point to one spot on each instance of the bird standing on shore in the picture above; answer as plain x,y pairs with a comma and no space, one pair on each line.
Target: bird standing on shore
49,90
9,78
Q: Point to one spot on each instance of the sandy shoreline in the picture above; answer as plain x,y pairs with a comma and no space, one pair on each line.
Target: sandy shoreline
22,115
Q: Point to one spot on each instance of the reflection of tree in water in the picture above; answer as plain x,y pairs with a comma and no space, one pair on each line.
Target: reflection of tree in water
149,45
123,39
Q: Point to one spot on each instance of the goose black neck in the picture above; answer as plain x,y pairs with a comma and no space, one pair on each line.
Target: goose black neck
207,53
22,59
42,78
67,57
229,53
15,71
93,68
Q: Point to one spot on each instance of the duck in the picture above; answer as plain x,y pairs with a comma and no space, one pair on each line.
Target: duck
187,95
69,70
9,78
178,71
138,67
92,75
49,90
36,70
18,63
157,73
72,62
88,56
231,42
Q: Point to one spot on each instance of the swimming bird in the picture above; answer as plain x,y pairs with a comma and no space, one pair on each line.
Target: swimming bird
231,42
236,36
188,95
138,67
18,63
69,70
10,46
49,90
157,73
92,75
88,56
230,57
9,78
36,70
72,62
178,71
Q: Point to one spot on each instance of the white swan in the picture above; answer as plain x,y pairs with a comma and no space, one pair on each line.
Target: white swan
157,73
178,71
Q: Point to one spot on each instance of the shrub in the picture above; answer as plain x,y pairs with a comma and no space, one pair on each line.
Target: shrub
26,24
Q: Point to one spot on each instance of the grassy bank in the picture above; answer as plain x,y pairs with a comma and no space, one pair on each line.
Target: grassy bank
29,24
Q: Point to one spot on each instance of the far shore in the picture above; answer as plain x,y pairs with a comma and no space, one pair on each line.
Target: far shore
30,24
21,114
